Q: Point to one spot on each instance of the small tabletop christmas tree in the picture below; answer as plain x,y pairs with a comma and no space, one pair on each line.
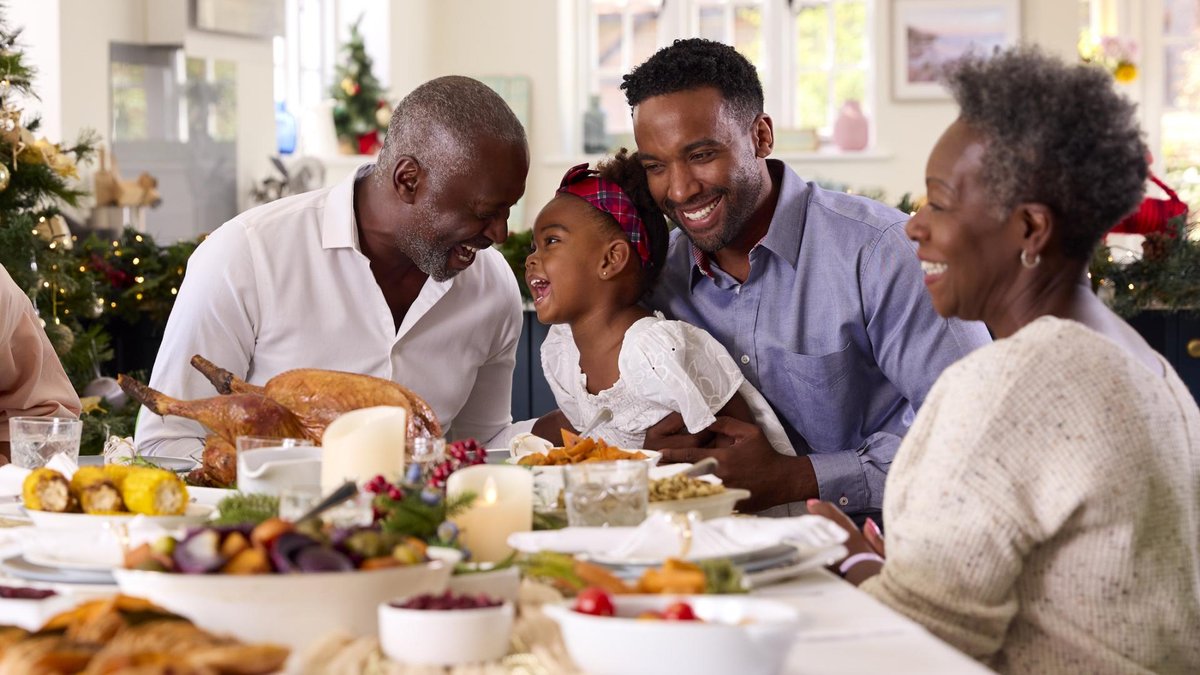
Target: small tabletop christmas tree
361,112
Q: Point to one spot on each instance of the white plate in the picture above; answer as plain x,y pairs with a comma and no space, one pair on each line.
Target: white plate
91,549
19,567
195,514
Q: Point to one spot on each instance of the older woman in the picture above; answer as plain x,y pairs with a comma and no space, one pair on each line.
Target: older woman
1043,512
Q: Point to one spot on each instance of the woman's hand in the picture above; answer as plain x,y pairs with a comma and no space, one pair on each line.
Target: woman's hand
867,541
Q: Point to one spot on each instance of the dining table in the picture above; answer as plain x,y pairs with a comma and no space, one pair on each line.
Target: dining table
844,630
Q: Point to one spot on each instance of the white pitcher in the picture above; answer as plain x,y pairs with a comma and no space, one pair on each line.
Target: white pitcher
272,470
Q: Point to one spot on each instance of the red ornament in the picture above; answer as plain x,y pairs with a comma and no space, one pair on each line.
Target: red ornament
1153,215
368,143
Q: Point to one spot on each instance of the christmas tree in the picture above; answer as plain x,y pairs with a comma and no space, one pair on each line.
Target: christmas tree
36,182
95,297
361,111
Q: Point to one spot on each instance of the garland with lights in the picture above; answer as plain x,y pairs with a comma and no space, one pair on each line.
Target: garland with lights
1166,278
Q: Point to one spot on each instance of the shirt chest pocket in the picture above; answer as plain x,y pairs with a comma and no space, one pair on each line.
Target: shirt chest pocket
820,388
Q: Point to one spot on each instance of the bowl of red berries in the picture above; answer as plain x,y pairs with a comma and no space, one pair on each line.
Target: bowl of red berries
445,629
695,634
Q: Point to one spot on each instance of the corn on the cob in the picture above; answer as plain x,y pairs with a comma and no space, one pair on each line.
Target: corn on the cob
154,492
46,490
117,473
95,492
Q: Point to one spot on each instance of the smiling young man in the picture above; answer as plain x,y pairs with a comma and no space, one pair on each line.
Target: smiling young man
817,294
388,273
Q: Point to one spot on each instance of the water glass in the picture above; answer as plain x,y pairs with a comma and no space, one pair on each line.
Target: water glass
295,501
606,493
424,454
245,443
36,439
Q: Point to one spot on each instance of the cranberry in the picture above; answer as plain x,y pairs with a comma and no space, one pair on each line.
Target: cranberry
447,601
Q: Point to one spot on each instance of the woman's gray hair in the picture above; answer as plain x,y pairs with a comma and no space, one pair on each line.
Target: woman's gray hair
441,123
1056,134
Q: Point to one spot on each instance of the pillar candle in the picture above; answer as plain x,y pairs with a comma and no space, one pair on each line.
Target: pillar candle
503,505
362,444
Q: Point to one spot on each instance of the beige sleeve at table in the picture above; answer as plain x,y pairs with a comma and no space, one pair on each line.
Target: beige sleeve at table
1043,512
32,381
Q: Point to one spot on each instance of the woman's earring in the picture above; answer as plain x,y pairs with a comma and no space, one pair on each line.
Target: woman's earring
604,274
1030,264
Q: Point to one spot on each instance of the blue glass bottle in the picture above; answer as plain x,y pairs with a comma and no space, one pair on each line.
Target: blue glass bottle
285,129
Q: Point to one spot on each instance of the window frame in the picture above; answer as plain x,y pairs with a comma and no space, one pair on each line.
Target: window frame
681,19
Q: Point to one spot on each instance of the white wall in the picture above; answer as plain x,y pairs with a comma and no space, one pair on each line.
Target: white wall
473,38
429,38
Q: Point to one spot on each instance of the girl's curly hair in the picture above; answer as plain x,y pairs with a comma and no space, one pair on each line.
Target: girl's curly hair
1056,134
625,170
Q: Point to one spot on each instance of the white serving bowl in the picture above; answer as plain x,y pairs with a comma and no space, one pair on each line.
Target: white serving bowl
712,506
445,637
289,609
193,515
744,635
501,584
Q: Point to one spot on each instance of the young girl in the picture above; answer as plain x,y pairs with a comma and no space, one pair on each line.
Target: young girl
598,247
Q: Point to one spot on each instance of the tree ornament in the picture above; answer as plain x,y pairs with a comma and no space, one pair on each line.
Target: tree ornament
5,176
383,116
107,388
349,86
60,336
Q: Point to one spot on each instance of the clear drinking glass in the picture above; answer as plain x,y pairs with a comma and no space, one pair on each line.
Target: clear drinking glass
295,501
36,439
245,443
606,493
424,454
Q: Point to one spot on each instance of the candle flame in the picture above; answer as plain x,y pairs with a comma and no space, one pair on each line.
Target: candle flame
489,491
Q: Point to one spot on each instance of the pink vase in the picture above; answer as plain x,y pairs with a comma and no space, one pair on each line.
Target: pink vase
851,131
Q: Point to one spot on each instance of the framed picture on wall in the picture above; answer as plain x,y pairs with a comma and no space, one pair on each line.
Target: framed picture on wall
928,34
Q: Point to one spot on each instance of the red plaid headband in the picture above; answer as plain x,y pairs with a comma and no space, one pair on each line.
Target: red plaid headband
610,198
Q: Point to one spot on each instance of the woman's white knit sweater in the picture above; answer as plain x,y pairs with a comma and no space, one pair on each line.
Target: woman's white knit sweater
1043,513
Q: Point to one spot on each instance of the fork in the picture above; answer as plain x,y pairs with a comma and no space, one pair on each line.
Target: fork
604,415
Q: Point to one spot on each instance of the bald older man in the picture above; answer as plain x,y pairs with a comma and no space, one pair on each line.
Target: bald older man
388,273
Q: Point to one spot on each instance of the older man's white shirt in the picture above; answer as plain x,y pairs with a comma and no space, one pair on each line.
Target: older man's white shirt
285,286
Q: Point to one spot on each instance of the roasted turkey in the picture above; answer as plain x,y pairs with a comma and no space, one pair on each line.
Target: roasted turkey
294,404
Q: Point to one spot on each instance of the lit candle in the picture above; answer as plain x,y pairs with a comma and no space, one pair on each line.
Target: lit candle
362,444
503,505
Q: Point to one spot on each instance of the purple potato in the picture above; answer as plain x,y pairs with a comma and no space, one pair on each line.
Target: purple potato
199,553
322,559
286,548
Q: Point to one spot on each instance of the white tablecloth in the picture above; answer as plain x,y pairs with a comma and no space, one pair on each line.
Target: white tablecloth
847,631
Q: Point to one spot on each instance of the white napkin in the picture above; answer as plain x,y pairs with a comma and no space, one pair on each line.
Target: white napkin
13,477
118,449
659,537
527,444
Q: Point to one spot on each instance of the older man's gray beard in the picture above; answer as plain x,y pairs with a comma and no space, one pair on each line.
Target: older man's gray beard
421,246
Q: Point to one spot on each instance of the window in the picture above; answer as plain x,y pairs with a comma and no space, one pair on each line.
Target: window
304,57
1180,130
811,55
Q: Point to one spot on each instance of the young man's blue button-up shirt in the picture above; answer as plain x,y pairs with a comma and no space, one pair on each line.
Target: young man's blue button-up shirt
833,325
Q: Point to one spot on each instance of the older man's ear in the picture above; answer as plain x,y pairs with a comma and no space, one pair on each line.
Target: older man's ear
406,176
